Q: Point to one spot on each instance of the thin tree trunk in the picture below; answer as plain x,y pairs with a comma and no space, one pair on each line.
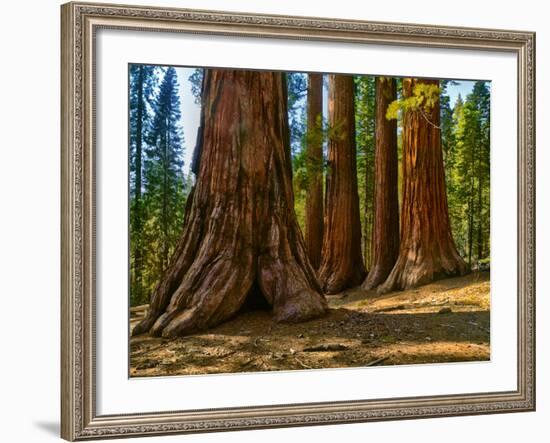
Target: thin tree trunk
342,263
471,217
386,211
427,250
241,238
479,209
165,196
314,196
368,231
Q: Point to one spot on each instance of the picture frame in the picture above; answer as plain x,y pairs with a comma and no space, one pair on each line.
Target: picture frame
80,23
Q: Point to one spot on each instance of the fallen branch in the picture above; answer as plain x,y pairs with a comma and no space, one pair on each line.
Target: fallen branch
227,354
246,363
326,348
302,364
378,360
393,308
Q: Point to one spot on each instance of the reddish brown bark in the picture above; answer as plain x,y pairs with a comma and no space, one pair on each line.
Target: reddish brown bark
427,251
314,195
241,236
386,210
342,263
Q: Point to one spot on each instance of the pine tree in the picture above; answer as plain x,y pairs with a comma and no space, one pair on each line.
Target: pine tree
296,90
297,85
196,84
481,99
142,82
456,181
470,187
165,192
314,168
446,124
365,117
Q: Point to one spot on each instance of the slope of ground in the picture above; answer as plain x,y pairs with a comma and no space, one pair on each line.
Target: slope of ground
446,321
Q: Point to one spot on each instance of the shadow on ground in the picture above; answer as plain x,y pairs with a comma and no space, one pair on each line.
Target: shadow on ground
447,321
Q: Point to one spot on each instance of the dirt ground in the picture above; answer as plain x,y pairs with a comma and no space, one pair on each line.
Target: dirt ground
446,321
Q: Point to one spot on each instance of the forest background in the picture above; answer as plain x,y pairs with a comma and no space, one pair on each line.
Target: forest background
164,118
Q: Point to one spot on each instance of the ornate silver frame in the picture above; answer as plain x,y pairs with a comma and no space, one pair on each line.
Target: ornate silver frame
79,22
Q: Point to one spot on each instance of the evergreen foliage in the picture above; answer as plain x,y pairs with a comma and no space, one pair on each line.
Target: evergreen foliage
297,122
142,84
196,84
365,117
468,175
159,187
164,187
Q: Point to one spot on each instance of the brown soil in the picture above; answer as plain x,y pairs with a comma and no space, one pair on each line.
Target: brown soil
446,321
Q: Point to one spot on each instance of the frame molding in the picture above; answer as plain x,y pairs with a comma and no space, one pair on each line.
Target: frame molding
79,21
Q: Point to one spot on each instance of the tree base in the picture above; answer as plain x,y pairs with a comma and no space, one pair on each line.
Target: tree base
301,305
406,275
240,232
375,277
335,283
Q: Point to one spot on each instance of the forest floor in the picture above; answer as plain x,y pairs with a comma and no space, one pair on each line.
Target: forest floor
445,321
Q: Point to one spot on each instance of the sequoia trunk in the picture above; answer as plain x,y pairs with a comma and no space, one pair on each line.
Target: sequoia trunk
342,264
427,249
241,236
314,196
386,210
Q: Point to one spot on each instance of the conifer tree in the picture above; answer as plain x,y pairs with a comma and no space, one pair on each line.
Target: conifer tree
165,192
296,91
314,224
469,172
427,250
365,118
142,81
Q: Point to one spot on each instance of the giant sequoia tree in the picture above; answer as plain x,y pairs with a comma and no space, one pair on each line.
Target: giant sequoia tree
386,211
314,152
427,249
342,264
241,238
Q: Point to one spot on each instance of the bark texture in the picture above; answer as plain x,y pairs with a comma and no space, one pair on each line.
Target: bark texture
342,263
386,211
427,251
314,196
241,237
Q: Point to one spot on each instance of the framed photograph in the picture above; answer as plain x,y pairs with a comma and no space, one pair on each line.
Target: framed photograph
283,221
